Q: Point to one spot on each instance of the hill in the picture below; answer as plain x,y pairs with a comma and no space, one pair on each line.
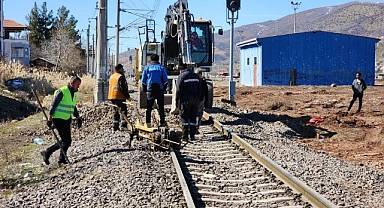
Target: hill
355,18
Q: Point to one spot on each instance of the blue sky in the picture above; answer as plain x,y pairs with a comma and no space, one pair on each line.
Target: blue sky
251,11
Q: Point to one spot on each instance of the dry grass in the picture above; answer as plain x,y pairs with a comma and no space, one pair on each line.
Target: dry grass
8,71
44,82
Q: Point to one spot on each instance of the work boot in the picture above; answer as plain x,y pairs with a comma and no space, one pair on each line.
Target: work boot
62,161
124,127
45,157
185,139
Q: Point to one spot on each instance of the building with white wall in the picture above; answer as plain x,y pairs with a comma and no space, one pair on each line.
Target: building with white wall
16,44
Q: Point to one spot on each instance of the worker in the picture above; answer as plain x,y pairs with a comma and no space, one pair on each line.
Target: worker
358,87
118,94
154,82
62,108
203,98
196,43
187,100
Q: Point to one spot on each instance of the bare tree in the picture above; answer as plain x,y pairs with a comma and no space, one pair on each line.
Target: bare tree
63,51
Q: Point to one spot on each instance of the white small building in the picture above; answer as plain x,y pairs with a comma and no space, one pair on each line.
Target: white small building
16,44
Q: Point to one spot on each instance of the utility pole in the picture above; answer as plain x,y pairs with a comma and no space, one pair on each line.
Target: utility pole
87,48
101,88
93,55
117,31
110,58
233,7
94,46
295,6
2,29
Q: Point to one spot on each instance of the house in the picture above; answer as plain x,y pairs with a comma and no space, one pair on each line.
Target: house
308,58
43,63
16,44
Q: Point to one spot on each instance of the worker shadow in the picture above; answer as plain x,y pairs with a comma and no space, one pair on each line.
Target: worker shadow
296,125
117,150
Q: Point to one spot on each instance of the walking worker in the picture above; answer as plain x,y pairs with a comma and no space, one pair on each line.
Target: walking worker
358,87
187,99
118,94
154,82
61,111
203,98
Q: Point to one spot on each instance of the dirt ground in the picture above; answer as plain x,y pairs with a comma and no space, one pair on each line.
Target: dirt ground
350,136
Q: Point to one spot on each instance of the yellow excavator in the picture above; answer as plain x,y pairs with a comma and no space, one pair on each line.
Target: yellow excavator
175,49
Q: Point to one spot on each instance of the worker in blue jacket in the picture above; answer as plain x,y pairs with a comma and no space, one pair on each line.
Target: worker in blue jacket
187,100
154,82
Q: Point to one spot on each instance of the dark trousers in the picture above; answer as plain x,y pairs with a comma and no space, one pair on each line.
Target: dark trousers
64,129
355,96
117,117
151,97
200,111
188,113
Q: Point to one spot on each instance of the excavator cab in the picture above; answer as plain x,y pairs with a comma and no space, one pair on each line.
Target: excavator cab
201,44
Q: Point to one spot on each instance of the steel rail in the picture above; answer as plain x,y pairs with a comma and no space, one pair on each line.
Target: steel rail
183,182
311,195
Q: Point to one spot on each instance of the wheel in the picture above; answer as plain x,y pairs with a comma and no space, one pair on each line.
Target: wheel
210,94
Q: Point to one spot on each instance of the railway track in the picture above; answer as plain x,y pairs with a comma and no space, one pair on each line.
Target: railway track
220,169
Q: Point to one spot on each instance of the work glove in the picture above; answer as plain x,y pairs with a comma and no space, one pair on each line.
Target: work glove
49,123
79,122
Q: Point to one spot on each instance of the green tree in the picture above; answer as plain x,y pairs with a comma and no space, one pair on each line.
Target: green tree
40,22
56,38
66,22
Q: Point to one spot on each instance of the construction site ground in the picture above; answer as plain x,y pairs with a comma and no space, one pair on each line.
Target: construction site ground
350,136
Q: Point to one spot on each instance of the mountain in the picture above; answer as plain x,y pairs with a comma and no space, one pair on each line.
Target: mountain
354,18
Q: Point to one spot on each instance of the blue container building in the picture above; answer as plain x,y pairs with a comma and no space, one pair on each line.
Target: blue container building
308,58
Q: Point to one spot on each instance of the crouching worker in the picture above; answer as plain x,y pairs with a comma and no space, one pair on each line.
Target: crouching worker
63,107
118,94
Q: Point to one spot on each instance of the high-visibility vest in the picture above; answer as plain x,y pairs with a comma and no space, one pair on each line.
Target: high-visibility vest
114,92
66,106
